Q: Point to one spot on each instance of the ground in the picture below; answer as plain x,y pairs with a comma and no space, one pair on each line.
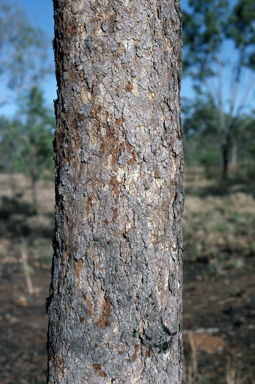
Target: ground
219,284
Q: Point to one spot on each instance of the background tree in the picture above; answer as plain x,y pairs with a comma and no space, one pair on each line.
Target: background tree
208,27
23,52
26,142
201,135
115,300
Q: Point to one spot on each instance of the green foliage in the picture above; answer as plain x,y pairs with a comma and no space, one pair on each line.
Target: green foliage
210,161
201,136
37,134
214,122
206,28
249,155
241,25
26,141
203,34
200,115
23,52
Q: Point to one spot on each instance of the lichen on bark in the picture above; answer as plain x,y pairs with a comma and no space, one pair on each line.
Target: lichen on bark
115,299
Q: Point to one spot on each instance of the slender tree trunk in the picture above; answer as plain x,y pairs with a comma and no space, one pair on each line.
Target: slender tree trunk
226,150
32,172
225,156
115,300
234,155
34,194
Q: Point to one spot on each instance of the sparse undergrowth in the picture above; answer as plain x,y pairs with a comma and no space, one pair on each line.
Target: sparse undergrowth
219,288
219,222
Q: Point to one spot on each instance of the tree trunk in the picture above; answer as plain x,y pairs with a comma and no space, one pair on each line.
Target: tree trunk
225,161
234,155
115,299
34,194
226,147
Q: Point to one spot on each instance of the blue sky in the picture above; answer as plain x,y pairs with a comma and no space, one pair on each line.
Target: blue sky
40,13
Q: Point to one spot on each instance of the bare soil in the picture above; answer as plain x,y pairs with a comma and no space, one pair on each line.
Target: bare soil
219,280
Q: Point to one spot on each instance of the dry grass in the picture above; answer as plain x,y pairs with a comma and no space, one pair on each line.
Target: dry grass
219,217
191,374
18,187
190,369
235,376
19,226
219,232
219,220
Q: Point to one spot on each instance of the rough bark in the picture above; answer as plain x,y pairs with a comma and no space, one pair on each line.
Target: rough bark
115,299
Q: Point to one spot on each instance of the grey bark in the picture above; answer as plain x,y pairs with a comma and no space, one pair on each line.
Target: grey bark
115,299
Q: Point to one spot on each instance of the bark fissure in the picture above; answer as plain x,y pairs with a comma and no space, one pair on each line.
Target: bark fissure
115,299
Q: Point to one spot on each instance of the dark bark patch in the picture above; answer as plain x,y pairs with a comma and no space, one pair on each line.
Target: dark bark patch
105,318
148,353
114,214
70,30
133,160
132,153
164,346
95,113
90,305
134,356
80,117
116,185
131,150
157,173
78,267
76,138
128,87
89,202
115,150
97,368
110,21
119,122
121,146
68,152
82,319
59,138
72,78
59,364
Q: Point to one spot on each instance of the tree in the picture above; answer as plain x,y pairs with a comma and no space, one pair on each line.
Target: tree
207,27
26,141
201,135
115,298
23,52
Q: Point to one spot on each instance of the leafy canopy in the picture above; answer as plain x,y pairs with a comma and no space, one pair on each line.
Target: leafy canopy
26,141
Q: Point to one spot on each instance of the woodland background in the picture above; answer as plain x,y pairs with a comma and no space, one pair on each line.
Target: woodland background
219,217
